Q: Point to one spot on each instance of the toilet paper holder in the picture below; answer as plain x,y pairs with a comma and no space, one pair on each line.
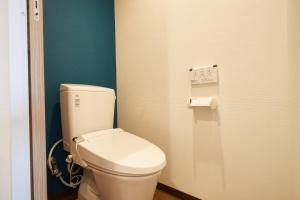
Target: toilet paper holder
210,102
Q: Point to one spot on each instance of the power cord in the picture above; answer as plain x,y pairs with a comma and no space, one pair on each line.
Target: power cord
74,179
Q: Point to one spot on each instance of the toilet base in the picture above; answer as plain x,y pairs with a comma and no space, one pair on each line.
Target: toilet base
99,185
88,189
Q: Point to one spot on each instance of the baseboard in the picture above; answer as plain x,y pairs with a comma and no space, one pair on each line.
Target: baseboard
176,193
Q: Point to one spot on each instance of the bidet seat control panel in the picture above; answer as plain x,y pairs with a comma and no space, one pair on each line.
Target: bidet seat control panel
204,75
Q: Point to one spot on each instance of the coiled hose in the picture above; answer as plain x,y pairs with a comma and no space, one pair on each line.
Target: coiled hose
74,180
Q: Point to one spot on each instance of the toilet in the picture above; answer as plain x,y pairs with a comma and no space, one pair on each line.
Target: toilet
117,165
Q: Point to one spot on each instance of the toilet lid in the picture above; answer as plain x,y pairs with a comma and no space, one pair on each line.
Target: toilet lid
121,152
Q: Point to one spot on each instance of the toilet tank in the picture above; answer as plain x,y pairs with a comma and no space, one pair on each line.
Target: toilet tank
84,109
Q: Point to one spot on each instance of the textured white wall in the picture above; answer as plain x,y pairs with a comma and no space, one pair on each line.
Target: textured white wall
5,169
19,100
14,106
241,152
294,60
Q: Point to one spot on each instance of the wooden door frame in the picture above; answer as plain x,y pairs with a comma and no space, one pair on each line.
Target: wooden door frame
37,99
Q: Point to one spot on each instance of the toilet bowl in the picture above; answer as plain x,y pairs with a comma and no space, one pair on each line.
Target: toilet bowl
118,166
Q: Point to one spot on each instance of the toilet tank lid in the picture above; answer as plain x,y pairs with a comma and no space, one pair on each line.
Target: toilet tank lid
81,87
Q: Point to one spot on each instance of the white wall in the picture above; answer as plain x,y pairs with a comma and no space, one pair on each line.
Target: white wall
294,60
241,152
14,105
5,170
19,100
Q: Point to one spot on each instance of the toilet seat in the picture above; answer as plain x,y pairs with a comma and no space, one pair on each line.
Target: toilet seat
120,152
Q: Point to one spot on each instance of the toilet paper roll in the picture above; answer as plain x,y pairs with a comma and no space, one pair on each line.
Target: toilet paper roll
210,102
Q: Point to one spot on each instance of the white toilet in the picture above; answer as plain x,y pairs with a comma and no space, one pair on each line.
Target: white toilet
117,165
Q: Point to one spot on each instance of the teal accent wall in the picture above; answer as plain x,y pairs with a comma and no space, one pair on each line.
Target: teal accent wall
79,48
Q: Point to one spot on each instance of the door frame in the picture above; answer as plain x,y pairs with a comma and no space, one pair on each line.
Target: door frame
37,99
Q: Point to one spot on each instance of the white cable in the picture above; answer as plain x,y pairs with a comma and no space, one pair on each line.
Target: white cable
75,171
58,174
78,177
51,152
